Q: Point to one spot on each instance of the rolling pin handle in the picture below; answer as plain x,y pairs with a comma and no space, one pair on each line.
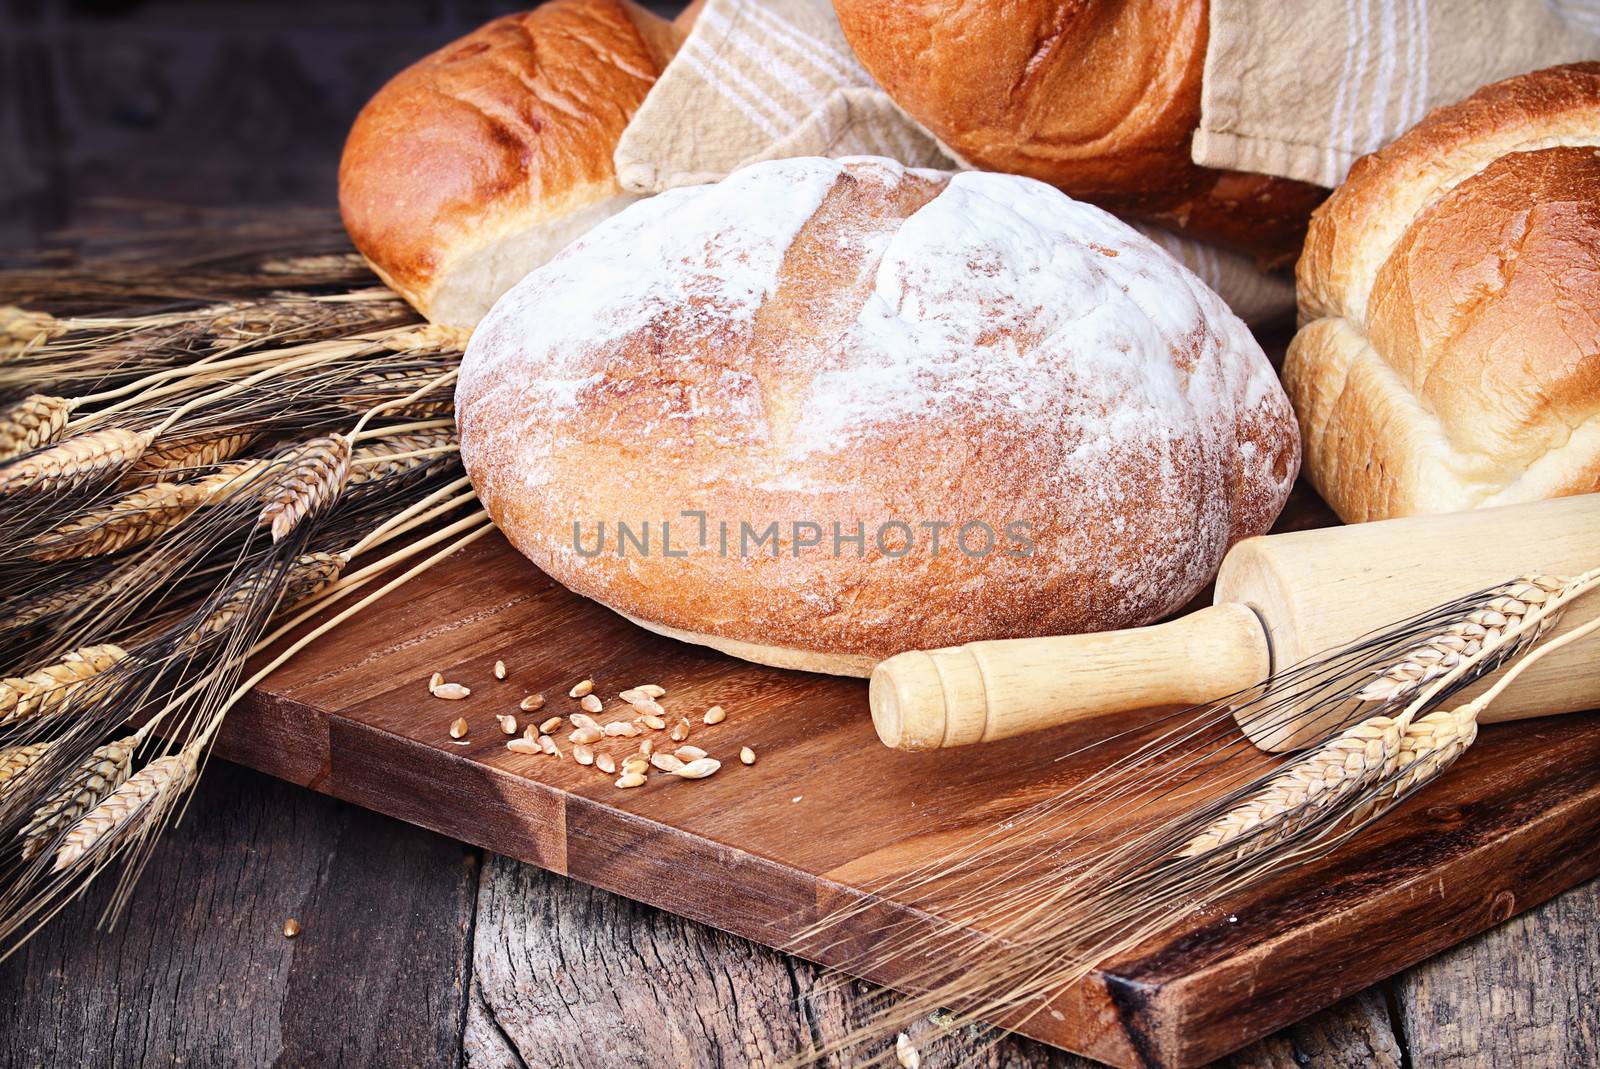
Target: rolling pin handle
930,699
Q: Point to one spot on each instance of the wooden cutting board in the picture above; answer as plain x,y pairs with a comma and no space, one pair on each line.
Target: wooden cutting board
761,850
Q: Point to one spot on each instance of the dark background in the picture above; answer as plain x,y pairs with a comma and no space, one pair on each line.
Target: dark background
167,112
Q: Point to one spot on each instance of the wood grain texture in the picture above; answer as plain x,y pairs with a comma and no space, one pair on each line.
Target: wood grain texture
762,851
198,972
1524,995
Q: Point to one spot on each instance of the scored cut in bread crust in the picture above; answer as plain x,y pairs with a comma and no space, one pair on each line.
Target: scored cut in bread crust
1450,353
851,342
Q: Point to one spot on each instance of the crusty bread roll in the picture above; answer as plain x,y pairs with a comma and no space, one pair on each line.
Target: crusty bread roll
1449,356
1097,97
479,162
814,342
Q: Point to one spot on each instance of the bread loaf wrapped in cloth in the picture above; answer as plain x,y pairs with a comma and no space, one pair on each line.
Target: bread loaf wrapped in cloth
1449,356
825,411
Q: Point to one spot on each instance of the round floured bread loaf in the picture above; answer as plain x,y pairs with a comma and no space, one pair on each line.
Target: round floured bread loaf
812,349
479,162
1100,98
1450,296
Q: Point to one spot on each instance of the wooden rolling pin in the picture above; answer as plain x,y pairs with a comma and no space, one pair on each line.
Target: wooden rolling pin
1280,599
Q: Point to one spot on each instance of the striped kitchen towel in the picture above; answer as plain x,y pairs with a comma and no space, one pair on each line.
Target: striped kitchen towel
1302,89
767,79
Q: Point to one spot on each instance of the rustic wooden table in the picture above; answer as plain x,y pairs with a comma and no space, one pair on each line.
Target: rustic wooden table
417,950
414,949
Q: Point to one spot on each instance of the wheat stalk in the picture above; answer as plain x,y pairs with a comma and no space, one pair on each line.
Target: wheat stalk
316,475
36,420
48,689
101,772
15,762
132,809
75,462
141,515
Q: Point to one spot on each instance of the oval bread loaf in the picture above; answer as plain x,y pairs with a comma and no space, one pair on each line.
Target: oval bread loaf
801,372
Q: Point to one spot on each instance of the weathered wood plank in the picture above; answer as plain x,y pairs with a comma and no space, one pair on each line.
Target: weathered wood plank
1524,994
198,971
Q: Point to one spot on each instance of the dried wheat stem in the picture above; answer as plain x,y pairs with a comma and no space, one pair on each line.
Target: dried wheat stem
15,762
402,428
36,420
76,461
328,625
401,402
408,517
49,689
315,477
410,454
130,810
102,772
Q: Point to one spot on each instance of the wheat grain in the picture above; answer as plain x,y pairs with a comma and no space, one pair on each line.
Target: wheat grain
397,454
48,690
36,420
74,462
101,773
699,768
129,810
316,474
15,762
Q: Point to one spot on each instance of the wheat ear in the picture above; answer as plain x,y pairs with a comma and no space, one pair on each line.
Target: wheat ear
189,452
102,772
308,575
36,420
316,475
48,689
141,515
20,329
78,460
15,761
131,809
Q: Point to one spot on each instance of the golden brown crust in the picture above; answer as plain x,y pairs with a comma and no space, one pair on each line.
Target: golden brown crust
508,129
1099,98
851,343
1451,353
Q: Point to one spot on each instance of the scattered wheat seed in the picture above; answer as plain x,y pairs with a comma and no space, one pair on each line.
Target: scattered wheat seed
689,753
434,681
635,763
585,736
531,733
797,797
582,690
583,754
459,729
291,928
499,669
654,723
523,745
666,762
652,690
906,1053
747,755
508,724
630,779
591,703
451,692
622,729
584,720
642,702
605,763
647,747
680,730
548,745
699,768
532,703
715,715
549,726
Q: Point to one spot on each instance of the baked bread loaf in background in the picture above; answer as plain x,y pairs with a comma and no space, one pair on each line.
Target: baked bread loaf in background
481,161
1097,97
813,342
1449,354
